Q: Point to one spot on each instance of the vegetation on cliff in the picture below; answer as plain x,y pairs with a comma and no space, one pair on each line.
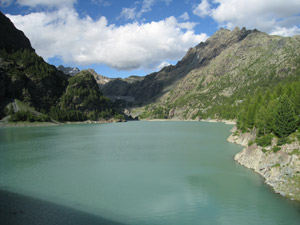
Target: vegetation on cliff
32,90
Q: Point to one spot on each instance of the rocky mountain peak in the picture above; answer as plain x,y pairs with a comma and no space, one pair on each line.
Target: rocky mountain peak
72,71
213,46
10,37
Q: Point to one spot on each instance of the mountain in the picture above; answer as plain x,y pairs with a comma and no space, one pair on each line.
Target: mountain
71,71
153,86
83,94
101,80
221,71
24,75
31,89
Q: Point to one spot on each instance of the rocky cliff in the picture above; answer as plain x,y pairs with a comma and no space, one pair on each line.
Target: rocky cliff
281,169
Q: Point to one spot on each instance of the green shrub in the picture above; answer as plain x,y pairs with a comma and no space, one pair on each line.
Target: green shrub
264,141
119,117
295,152
282,141
236,133
28,116
251,143
276,149
276,165
264,150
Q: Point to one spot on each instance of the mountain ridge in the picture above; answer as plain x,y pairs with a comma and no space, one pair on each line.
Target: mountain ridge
239,63
156,84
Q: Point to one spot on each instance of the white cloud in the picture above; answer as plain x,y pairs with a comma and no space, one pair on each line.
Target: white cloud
185,16
203,9
266,15
48,3
283,31
83,41
129,13
162,65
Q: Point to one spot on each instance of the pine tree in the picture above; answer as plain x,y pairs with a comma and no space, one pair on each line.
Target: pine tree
261,121
285,118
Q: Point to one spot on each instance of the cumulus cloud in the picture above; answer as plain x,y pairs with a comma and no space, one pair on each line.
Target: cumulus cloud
283,31
203,9
85,41
270,16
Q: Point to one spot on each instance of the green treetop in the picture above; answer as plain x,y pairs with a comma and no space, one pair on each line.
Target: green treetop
285,117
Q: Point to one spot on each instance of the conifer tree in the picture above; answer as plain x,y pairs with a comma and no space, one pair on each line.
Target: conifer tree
285,118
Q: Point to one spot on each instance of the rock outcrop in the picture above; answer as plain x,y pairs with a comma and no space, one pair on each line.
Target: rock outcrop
280,169
71,71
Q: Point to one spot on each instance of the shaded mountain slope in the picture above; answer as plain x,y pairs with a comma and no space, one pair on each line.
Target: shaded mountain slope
10,37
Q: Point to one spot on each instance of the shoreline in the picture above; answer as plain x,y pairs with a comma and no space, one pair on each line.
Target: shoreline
47,124
229,122
280,170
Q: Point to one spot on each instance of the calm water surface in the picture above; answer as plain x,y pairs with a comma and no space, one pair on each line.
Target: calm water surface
141,173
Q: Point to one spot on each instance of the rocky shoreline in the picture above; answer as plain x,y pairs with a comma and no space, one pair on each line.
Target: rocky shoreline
281,169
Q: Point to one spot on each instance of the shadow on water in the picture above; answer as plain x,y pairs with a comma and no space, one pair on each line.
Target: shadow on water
17,209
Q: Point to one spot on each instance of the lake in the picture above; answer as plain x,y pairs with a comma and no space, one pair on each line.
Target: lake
135,173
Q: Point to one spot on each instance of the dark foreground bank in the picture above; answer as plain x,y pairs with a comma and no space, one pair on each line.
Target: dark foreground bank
16,209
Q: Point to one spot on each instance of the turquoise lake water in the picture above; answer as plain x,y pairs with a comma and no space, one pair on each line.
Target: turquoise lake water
141,173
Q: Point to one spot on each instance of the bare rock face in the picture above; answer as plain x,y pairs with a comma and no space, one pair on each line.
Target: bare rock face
72,71
241,138
281,169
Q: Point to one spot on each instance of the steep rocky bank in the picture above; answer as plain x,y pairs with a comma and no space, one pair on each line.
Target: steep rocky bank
280,169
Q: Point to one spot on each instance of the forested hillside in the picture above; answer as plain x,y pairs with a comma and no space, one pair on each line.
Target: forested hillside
32,90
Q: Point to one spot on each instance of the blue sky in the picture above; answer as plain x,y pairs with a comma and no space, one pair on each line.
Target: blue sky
120,38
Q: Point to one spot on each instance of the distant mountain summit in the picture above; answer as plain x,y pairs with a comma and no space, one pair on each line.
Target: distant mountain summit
72,71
